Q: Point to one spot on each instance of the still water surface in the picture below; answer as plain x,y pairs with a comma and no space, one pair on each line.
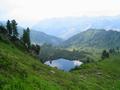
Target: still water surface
63,64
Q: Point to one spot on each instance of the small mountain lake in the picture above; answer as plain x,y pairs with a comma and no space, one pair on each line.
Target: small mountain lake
63,64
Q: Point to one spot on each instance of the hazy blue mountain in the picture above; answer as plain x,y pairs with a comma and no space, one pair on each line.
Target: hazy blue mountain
41,37
99,38
67,27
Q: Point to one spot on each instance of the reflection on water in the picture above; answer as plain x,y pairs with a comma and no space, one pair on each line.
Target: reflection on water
63,64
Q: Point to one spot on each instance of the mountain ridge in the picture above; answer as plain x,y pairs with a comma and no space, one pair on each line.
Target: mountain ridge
41,37
98,38
68,26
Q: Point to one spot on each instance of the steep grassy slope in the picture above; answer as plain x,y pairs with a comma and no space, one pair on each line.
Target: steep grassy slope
20,71
104,74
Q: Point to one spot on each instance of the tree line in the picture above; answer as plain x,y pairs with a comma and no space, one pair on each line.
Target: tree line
106,54
10,31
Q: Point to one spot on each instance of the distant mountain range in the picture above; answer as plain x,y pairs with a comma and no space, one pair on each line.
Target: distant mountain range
98,38
76,32
41,37
67,27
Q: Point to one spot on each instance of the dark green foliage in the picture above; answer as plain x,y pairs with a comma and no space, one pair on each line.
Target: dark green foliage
14,28
26,38
35,49
105,54
9,34
3,30
9,27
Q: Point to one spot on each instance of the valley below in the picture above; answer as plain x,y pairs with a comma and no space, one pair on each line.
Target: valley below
89,60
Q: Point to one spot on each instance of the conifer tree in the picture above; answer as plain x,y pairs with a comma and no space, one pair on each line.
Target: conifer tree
14,28
9,28
26,38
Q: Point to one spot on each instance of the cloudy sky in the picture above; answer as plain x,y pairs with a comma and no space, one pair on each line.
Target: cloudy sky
31,11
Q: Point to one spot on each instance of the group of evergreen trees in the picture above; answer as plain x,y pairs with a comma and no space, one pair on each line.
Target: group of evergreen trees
11,28
106,54
10,31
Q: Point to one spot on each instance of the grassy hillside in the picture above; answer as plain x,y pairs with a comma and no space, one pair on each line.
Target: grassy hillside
103,74
21,71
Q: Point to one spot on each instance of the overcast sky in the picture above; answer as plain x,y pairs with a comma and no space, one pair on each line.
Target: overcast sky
32,11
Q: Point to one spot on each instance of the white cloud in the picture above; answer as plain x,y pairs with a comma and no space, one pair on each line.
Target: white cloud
32,11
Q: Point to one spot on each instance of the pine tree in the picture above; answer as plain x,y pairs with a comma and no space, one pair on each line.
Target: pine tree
14,28
9,28
26,38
